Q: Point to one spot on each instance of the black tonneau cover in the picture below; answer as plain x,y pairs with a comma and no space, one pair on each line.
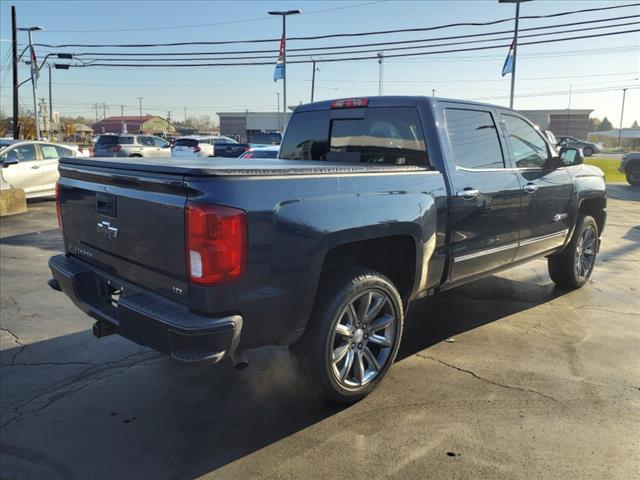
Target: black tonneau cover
221,166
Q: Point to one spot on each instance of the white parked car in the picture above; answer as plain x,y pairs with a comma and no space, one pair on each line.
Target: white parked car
32,166
193,147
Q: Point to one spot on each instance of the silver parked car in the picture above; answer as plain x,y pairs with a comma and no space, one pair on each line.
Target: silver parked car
110,145
32,166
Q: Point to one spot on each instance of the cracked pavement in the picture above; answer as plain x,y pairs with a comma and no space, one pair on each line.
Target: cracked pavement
539,383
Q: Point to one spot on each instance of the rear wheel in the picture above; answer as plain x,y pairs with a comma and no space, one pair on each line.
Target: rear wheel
135,155
588,151
572,267
353,335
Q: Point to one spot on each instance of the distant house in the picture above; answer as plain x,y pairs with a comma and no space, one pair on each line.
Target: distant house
148,124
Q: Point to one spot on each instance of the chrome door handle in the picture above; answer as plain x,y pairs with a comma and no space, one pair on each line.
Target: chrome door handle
468,193
530,187
35,167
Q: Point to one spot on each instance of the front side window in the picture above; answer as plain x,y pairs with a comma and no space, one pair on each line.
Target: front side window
474,139
159,142
146,141
22,153
528,146
65,152
49,152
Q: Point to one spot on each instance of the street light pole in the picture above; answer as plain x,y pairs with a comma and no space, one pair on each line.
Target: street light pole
284,15
14,39
515,47
50,105
624,94
140,100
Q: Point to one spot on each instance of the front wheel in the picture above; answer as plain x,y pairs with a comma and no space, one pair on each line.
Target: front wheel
572,267
633,175
588,151
353,335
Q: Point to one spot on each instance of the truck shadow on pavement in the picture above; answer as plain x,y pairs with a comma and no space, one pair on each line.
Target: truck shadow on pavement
70,397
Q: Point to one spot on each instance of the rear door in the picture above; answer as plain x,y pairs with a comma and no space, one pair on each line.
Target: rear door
162,147
485,209
547,189
49,165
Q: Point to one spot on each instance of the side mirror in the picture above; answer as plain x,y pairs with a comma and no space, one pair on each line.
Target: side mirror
570,156
9,161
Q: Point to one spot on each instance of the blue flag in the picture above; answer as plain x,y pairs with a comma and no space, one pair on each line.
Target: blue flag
508,62
278,73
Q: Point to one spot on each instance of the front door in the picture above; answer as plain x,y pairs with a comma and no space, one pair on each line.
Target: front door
486,201
547,188
25,174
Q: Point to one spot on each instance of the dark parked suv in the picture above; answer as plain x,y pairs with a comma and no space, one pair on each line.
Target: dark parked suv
131,146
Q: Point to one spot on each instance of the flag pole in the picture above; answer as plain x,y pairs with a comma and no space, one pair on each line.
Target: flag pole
515,55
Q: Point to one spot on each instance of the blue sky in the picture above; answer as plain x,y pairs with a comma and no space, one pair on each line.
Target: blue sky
545,72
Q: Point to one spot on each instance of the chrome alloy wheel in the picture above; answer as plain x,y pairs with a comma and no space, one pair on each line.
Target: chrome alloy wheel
362,339
585,252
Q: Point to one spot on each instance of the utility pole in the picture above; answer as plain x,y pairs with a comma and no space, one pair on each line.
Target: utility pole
185,114
278,103
313,79
624,94
568,111
50,105
140,100
95,105
104,110
380,72
169,116
14,39
284,15
433,92
122,118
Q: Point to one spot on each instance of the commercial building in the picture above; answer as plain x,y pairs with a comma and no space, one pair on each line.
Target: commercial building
242,126
148,124
574,123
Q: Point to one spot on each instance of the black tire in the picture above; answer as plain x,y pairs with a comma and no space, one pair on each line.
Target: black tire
566,269
633,175
320,341
135,155
587,151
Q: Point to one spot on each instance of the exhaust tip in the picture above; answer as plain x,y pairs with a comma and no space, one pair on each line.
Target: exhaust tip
239,360
53,283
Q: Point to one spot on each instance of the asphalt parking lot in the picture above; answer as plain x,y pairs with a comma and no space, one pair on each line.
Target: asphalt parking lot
507,377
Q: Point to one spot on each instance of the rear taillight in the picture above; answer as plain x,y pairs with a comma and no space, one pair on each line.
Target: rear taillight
350,103
116,149
247,147
91,151
196,149
58,206
216,243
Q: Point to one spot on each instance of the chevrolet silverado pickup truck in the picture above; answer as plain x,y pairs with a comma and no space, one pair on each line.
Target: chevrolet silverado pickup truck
373,203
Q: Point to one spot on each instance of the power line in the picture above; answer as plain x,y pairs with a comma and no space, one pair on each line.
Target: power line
315,50
230,22
333,35
326,60
351,52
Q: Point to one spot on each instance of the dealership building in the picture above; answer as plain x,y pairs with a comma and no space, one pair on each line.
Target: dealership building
574,123
242,126
148,124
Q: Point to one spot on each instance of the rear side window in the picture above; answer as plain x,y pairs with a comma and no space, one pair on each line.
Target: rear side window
186,142
125,140
49,152
146,141
65,152
107,140
391,136
474,139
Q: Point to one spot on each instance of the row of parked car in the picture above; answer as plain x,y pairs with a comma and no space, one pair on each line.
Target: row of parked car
33,165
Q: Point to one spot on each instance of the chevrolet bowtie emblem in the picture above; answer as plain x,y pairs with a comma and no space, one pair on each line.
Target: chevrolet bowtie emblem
107,230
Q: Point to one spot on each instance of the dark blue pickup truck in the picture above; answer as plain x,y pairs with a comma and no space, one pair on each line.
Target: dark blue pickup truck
373,203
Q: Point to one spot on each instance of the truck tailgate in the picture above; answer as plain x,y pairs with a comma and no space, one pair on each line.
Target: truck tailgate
130,224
